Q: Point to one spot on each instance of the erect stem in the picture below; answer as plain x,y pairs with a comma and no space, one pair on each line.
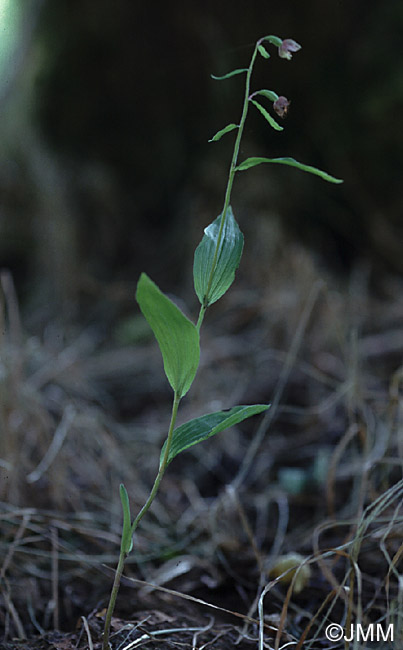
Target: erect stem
231,176
163,465
112,599
146,506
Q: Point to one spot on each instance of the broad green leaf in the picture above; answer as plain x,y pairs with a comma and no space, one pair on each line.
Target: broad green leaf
127,538
263,52
252,162
227,259
223,131
267,116
229,74
177,336
200,429
270,94
275,40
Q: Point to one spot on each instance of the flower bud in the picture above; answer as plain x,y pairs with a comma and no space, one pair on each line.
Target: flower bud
281,105
287,47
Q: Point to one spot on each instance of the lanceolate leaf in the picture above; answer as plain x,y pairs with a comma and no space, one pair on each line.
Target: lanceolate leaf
252,162
270,94
223,131
200,429
227,259
127,538
267,116
230,74
177,336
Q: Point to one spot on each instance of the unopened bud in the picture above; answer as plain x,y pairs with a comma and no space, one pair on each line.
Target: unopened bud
281,106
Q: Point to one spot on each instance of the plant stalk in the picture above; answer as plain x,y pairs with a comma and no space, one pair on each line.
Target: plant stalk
230,181
163,465
112,599
146,506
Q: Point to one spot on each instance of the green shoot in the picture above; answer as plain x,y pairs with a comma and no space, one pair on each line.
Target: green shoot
216,260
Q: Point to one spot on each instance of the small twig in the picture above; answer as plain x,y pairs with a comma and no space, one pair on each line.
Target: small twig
281,384
88,632
18,536
283,518
132,628
214,639
351,432
56,444
261,614
150,635
14,614
246,526
203,629
55,578
198,601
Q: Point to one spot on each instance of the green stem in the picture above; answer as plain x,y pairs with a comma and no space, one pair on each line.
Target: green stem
163,465
230,181
112,599
164,462
146,506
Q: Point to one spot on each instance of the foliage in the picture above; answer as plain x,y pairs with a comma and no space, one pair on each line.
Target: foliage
216,260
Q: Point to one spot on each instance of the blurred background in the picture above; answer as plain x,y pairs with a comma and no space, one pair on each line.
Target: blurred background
105,165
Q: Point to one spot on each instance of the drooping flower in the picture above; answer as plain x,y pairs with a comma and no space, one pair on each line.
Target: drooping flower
287,47
281,105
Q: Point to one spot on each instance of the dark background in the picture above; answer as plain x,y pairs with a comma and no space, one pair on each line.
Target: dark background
107,109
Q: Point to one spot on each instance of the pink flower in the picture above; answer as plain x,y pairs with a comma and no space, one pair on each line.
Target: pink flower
287,47
281,105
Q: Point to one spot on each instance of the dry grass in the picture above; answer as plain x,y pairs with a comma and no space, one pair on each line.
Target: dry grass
320,476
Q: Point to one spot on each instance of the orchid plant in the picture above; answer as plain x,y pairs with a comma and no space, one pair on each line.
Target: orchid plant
216,260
